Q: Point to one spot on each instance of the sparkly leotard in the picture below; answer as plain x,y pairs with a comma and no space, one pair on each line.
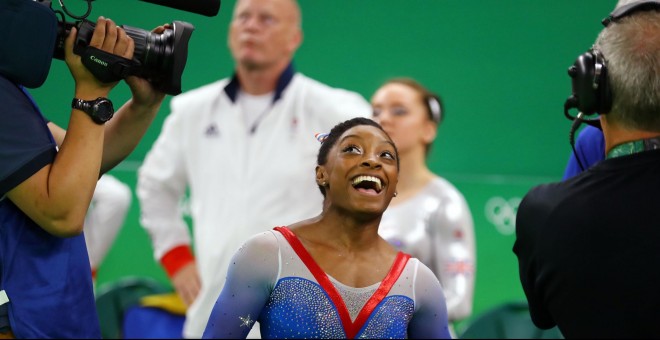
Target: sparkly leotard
272,279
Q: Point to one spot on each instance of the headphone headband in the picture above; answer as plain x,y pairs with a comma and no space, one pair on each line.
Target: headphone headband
629,9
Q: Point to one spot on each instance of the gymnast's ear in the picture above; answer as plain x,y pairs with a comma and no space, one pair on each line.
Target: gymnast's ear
321,176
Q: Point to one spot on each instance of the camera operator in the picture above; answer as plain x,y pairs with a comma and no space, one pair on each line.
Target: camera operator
587,247
46,189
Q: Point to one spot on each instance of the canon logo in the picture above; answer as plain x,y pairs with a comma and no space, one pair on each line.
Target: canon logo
98,61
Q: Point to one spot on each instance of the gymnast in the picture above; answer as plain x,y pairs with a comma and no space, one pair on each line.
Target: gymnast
333,276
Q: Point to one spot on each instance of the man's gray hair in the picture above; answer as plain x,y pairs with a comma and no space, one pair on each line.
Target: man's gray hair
631,47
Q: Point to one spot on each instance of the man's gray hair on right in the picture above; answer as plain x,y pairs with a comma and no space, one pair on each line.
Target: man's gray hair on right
631,47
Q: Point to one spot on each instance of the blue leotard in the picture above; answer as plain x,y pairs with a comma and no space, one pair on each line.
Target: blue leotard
272,279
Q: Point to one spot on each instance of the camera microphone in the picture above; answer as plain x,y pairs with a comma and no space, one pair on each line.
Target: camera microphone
208,8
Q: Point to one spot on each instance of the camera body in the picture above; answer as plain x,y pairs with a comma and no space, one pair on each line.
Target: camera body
159,58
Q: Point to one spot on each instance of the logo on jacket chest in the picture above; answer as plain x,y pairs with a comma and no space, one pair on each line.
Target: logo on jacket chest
212,131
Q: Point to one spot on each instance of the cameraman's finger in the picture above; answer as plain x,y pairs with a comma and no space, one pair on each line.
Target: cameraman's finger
99,33
110,36
161,29
130,49
68,43
122,42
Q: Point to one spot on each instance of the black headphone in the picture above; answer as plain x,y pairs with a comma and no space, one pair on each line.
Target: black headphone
591,92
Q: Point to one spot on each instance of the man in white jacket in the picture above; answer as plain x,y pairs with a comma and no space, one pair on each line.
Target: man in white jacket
243,148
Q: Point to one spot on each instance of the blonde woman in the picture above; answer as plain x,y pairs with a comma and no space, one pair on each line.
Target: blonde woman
429,218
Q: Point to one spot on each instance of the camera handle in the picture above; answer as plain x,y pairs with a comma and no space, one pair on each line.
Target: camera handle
105,66
108,67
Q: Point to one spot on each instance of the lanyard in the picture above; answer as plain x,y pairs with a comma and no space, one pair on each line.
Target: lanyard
636,146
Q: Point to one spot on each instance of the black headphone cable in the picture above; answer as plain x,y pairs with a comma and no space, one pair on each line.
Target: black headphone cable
574,126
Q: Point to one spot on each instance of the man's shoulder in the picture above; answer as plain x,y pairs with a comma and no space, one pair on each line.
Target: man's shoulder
547,191
11,96
317,87
202,93
542,199
323,98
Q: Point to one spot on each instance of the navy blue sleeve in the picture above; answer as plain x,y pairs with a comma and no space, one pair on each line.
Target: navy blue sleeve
26,144
590,147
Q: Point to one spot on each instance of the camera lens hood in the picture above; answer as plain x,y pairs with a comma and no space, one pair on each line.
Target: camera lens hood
171,83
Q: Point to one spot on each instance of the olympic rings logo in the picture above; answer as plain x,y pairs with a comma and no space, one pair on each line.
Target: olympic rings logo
502,213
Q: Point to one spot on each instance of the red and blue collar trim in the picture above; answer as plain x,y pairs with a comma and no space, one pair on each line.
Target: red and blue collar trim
350,328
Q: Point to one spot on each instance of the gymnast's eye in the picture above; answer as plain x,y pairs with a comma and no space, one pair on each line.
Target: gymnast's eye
388,154
351,149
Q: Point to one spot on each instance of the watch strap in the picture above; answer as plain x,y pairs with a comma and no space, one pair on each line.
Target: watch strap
88,106
82,105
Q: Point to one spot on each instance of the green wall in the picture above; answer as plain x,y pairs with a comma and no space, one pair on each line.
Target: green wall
500,67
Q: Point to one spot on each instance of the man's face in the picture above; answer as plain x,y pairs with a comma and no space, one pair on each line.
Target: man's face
264,32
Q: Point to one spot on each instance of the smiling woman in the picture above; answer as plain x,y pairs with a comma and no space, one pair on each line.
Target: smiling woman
333,276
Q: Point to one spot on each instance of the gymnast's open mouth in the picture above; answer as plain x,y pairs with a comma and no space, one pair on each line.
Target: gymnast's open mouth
368,184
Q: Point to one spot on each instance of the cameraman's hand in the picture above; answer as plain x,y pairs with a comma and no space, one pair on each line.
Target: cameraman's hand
107,37
131,121
144,94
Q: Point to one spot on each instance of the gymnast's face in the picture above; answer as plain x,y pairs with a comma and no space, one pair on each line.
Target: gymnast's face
402,113
361,172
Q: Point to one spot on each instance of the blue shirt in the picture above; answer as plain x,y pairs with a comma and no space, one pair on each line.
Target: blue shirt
47,278
590,146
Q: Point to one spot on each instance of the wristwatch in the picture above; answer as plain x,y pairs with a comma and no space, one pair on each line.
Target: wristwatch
100,109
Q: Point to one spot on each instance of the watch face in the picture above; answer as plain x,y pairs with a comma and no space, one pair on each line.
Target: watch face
99,109
103,110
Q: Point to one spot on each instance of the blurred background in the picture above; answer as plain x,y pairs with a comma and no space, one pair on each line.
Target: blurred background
499,66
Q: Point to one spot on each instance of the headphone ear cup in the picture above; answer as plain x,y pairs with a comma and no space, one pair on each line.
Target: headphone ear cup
582,74
591,90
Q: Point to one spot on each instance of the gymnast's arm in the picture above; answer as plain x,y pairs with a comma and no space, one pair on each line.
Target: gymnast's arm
250,280
429,320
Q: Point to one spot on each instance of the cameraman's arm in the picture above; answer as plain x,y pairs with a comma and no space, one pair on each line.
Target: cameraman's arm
126,128
122,133
57,132
57,196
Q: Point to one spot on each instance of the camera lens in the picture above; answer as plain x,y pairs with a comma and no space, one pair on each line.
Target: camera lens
159,58
150,50
162,56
